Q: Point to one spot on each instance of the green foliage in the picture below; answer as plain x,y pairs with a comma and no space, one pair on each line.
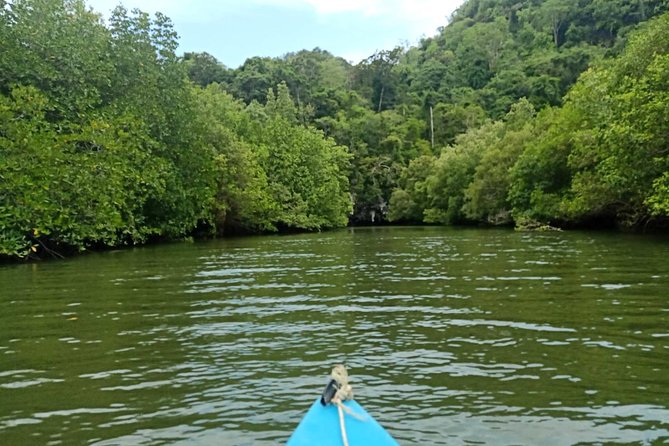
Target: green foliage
486,195
243,201
539,111
272,171
540,177
73,189
409,202
203,69
405,103
621,159
306,171
452,120
98,142
61,49
602,157
150,82
454,171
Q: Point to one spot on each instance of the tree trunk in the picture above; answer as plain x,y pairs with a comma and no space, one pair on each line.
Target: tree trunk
299,109
431,127
556,33
383,87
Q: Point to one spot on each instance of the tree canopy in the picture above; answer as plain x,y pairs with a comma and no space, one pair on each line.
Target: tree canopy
516,111
405,103
104,141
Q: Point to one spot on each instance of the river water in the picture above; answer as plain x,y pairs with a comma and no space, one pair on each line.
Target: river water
452,337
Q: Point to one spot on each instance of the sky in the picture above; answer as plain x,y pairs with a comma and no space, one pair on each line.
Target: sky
234,30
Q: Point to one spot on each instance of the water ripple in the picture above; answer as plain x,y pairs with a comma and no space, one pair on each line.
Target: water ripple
452,337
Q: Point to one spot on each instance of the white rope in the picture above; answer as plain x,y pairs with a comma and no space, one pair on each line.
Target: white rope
342,424
344,439
345,392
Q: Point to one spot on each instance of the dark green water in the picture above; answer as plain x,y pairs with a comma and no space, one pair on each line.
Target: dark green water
452,337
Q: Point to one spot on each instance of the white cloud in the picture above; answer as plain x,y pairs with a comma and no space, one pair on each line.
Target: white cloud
420,16
427,15
423,16
355,57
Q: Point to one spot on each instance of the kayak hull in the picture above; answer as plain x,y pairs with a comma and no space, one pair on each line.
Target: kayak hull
320,426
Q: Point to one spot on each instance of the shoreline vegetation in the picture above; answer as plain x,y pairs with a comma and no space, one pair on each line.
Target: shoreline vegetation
545,115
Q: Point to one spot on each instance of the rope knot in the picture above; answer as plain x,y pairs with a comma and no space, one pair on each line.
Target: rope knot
338,390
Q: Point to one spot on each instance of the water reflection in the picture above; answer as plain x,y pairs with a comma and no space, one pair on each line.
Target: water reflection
452,337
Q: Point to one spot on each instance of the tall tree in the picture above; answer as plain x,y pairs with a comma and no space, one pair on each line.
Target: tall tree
556,13
205,69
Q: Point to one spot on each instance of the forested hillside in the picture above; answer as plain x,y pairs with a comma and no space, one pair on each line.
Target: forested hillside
411,103
525,111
